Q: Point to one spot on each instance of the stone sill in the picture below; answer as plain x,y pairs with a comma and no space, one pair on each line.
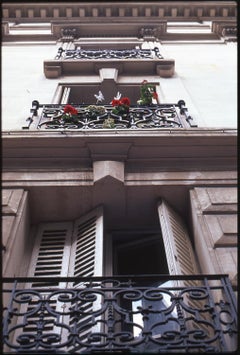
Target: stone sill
184,132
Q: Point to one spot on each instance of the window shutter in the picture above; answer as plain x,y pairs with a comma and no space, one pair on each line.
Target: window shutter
51,252
50,258
66,249
86,260
179,252
181,261
87,246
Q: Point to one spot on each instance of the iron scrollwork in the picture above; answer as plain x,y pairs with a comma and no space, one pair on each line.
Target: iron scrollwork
94,54
51,116
133,314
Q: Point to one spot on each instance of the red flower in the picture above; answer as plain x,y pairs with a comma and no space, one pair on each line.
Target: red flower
70,109
155,95
125,101
115,102
144,82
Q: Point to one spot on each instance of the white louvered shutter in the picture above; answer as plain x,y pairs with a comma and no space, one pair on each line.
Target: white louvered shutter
50,258
87,245
87,260
181,258
51,252
179,251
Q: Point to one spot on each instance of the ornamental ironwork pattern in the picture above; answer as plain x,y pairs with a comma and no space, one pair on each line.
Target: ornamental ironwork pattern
230,34
94,54
51,116
143,314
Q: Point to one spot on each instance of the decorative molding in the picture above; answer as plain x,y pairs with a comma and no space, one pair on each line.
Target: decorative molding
215,200
128,19
11,199
175,10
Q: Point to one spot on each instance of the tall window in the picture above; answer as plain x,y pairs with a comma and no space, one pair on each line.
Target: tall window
77,248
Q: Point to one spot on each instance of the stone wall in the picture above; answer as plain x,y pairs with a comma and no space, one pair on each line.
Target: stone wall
214,216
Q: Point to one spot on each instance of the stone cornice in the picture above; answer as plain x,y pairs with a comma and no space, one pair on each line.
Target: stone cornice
175,149
174,10
122,19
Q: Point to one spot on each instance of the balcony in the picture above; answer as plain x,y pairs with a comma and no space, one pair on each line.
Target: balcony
134,314
96,117
126,61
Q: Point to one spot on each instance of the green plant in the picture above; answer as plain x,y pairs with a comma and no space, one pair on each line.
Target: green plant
95,111
147,93
108,123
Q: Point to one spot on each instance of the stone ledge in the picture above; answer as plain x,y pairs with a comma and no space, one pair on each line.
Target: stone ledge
162,67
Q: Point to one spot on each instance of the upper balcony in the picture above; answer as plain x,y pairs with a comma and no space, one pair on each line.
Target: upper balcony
126,61
133,314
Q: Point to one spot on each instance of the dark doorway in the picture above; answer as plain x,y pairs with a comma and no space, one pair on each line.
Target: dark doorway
139,255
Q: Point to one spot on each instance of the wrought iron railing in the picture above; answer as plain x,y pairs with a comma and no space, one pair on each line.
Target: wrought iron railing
134,314
51,116
94,54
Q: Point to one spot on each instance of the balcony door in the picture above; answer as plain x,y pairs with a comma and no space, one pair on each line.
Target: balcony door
168,251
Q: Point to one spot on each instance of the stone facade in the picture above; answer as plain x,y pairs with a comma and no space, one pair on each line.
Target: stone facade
59,175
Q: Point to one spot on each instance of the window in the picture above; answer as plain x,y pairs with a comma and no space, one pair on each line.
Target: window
81,314
84,93
76,248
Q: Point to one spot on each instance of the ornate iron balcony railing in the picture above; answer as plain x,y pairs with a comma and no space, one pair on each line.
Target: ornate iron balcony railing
91,117
108,54
134,314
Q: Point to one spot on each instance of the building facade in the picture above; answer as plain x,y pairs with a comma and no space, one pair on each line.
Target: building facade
119,181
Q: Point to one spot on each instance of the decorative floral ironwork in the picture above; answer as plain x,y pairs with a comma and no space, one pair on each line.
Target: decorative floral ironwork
94,54
230,34
52,116
133,314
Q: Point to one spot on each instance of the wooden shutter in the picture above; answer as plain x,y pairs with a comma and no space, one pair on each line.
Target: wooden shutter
179,252
181,258
51,252
50,258
66,249
87,260
87,246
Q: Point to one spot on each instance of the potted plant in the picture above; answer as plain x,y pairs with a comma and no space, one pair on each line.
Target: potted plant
121,106
147,93
108,123
69,114
94,111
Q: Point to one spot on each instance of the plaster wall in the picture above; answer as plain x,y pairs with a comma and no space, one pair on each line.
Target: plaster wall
205,77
